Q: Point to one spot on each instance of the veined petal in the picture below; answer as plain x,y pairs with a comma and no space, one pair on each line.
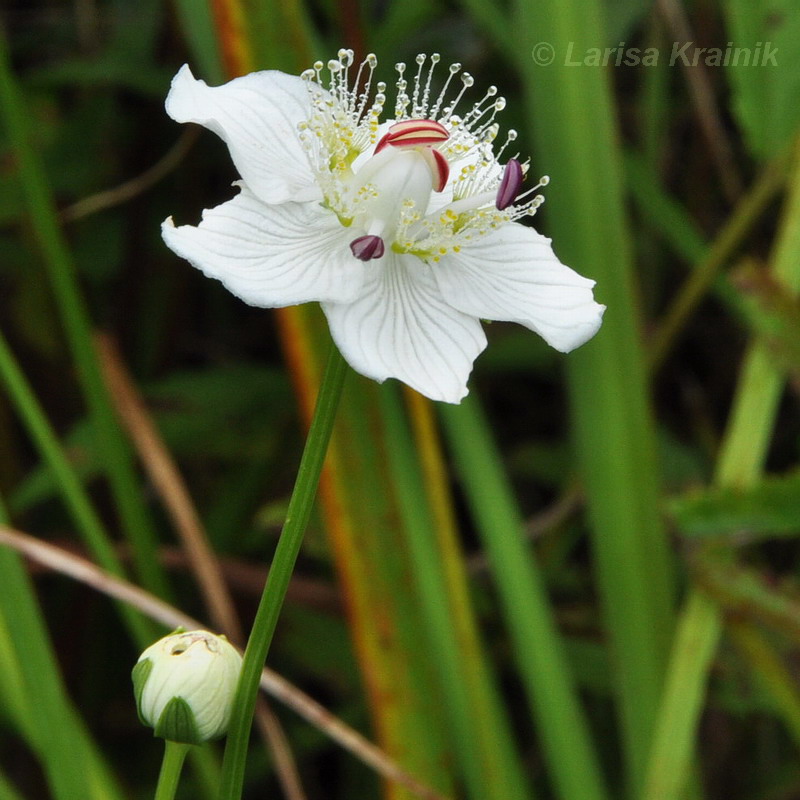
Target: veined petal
271,255
257,117
513,275
400,327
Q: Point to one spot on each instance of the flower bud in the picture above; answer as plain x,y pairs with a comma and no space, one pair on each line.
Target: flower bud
184,686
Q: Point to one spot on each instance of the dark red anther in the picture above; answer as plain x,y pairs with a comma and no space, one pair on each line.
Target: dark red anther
365,248
510,184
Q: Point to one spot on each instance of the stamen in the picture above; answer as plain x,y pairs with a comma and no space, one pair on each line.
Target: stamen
510,184
416,109
346,58
511,136
339,137
426,94
466,82
481,107
402,100
370,62
454,69
485,126
334,68
365,248
543,181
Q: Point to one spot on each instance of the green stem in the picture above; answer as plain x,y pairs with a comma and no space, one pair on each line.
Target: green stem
171,766
300,505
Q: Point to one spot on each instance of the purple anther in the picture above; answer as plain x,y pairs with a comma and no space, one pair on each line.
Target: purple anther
510,184
365,248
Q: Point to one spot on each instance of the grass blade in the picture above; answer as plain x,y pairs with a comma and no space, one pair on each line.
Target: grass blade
572,117
76,499
72,763
562,728
740,462
483,741
111,446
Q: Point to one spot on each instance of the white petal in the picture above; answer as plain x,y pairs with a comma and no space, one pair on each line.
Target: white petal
257,117
401,328
513,274
271,255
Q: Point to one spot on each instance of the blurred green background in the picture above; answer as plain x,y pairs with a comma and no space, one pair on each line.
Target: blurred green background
584,584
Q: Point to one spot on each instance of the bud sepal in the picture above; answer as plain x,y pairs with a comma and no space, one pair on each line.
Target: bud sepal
177,723
184,686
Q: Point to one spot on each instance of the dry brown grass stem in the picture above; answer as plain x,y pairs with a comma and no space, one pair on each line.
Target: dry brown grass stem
89,574
701,94
135,186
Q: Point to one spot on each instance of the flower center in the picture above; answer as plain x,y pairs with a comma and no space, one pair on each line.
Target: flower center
383,180
400,176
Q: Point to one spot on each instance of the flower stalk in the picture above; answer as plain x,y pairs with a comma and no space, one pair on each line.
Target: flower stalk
171,766
291,538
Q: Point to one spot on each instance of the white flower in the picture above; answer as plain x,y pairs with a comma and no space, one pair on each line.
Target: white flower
184,686
406,230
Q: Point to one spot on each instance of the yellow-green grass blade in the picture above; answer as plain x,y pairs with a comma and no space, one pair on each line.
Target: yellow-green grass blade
87,522
7,790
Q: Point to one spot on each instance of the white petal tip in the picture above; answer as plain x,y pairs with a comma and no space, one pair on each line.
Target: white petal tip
454,400
181,103
452,395
582,331
182,74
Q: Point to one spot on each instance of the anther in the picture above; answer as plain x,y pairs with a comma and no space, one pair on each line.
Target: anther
510,184
438,165
365,248
414,133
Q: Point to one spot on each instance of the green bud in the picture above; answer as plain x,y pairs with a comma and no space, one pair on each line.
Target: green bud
184,686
